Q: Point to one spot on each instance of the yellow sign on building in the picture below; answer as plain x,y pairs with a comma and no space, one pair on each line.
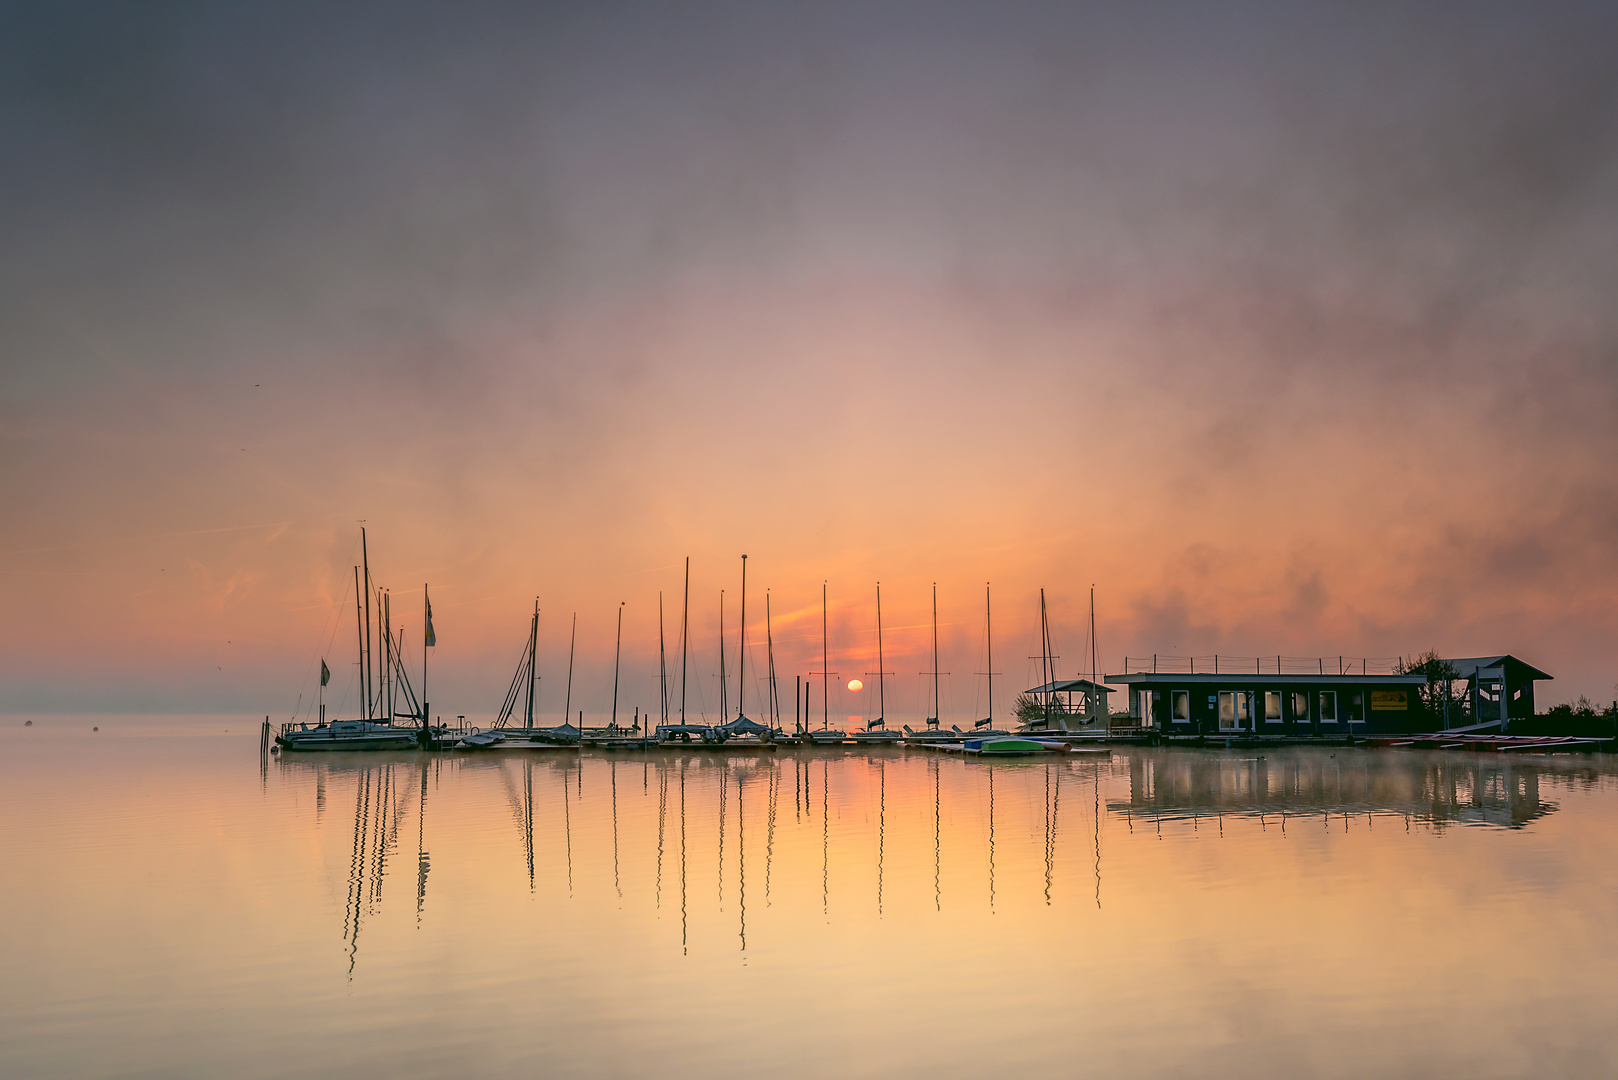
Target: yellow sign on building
1390,701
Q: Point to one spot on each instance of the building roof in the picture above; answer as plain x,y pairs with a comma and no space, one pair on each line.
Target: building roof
1253,679
1467,667
1061,686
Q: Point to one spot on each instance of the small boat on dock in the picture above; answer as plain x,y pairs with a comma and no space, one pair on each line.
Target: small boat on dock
930,735
876,734
1012,746
348,735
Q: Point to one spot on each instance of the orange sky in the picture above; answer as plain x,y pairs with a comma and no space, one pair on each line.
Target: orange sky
1230,333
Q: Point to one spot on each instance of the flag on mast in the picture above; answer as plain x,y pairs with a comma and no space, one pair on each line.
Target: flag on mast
432,638
325,673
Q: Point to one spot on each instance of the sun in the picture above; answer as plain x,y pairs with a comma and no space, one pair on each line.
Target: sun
855,686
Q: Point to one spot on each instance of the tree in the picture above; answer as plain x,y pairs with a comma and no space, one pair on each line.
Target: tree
1439,691
1029,708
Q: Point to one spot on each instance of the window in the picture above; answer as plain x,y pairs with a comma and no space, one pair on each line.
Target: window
1144,702
1182,706
1300,707
1272,706
1328,706
1227,711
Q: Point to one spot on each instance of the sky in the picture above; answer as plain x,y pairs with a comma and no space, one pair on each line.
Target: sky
1286,327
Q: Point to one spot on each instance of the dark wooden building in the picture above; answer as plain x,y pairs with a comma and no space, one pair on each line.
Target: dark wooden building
1498,688
1234,704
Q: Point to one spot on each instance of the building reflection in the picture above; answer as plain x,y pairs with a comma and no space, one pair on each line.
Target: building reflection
1443,789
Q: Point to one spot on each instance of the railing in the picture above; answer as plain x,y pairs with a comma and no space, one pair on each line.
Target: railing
1159,664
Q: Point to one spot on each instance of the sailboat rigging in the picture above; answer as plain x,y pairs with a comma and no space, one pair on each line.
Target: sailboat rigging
741,725
682,731
876,731
826,735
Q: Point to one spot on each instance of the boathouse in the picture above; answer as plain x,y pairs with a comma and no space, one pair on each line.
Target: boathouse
1274,696
1070,702
1498,688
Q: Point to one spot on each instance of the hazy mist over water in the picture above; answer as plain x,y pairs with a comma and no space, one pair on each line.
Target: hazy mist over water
178,906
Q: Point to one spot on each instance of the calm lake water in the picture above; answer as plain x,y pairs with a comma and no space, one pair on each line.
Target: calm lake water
173,906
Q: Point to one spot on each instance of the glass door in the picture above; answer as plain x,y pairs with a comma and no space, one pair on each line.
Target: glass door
1235,709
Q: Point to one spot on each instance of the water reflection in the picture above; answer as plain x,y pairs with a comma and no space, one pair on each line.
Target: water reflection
250,903
968,801
1437,788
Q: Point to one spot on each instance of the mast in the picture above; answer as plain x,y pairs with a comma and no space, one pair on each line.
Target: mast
533,647
773,710
662,663
825,665
618,651
1095,701
567,707
741,648
365,557
685,643
1045,655
881,672
988,635
936,718
427,640
359,622
724,702
384,603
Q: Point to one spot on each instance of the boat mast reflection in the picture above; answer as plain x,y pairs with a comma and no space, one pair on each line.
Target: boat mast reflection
662,818
769,833
881,826
938,799
825,840
422,860
992,767
741,857
617,883
684,948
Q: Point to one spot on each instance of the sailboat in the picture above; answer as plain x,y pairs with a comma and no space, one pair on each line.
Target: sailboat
682,732
985,728
931,733
565,733
876,731
523,686
741,726
374,732
826,736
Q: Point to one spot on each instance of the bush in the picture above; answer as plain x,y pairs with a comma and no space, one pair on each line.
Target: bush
1029,708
